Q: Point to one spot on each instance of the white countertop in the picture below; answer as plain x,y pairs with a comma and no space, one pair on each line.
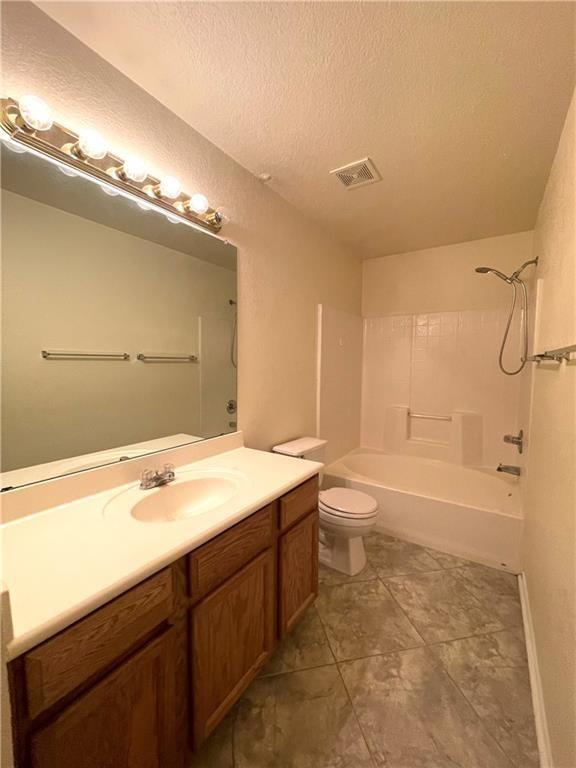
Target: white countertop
62,563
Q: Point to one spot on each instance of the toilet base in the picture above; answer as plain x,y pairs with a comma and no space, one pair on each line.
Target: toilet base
346,555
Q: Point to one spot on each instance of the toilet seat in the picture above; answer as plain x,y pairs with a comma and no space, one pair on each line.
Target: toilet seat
345,503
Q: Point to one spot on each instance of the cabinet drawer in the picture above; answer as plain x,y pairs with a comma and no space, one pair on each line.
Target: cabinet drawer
214,562
299,502
66,661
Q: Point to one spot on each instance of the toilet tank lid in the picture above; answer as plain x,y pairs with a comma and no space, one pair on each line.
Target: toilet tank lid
299,447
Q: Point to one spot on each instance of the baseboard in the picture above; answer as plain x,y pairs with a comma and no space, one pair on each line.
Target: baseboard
535,680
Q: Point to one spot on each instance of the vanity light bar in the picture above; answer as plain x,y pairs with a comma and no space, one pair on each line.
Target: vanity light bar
29,124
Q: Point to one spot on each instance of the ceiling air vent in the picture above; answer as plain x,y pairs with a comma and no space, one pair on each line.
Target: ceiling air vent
357,174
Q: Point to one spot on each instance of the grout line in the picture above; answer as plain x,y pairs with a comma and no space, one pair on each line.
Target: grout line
404,613
506,628
381,653
356,716
326,635
473,708
298,669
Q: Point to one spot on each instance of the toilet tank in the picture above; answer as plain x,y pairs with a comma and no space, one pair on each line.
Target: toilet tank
311,448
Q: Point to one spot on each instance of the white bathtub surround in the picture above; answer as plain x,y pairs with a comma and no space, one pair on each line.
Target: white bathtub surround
338,386
84,554
468,512
440,363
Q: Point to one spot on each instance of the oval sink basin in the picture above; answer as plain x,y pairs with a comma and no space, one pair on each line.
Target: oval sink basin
191,494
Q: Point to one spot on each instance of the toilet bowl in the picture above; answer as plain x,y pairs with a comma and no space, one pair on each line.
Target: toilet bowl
345,515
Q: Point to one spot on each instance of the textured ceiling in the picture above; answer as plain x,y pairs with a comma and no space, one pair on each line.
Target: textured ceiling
460,105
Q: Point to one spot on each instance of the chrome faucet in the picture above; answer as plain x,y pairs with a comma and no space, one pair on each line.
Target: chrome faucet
517,440
509,469
153,478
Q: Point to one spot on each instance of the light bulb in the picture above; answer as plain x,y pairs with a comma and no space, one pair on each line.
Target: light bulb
169,187
109,190
35,113
134,168
92,144
198,203
172,219
144,206
67,171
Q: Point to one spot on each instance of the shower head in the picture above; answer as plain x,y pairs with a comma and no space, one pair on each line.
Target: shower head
491,270
515,275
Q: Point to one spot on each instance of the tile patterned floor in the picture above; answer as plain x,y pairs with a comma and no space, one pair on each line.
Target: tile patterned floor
417,662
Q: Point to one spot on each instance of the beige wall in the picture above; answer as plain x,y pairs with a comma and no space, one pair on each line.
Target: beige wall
549,487
443,279
287,264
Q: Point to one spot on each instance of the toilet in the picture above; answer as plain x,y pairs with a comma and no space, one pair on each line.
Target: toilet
345,515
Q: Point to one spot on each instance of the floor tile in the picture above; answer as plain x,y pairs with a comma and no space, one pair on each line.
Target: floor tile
497,589
218,750
492,672
329,577
297,720
393,557
306,647
413,716
450,604
445,560
362,619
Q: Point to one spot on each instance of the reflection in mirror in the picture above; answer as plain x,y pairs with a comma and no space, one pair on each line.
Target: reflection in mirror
135,315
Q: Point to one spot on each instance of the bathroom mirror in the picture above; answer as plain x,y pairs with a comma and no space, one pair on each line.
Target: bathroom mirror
118,326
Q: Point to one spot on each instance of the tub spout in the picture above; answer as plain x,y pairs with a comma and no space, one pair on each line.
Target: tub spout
509,469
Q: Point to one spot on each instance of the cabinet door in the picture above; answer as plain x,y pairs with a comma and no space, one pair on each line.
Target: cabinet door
125,721
298,570
232,637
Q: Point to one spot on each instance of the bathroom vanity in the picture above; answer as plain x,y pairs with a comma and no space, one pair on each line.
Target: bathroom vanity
159,666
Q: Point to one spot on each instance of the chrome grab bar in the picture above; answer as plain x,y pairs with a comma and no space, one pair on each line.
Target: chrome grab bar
52,354
432,416
167,358
559,354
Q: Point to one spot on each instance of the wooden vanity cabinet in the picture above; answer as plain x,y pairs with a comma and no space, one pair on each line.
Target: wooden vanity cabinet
134,683
125,720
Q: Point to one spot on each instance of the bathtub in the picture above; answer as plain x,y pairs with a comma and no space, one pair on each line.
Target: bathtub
473,513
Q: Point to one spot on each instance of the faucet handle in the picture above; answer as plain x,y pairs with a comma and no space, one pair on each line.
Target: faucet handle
146,478
517,440
169,470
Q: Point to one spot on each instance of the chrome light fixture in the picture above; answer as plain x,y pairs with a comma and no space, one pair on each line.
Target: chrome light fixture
27,124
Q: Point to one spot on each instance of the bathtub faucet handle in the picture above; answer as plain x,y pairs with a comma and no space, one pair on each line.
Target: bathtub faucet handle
517,440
